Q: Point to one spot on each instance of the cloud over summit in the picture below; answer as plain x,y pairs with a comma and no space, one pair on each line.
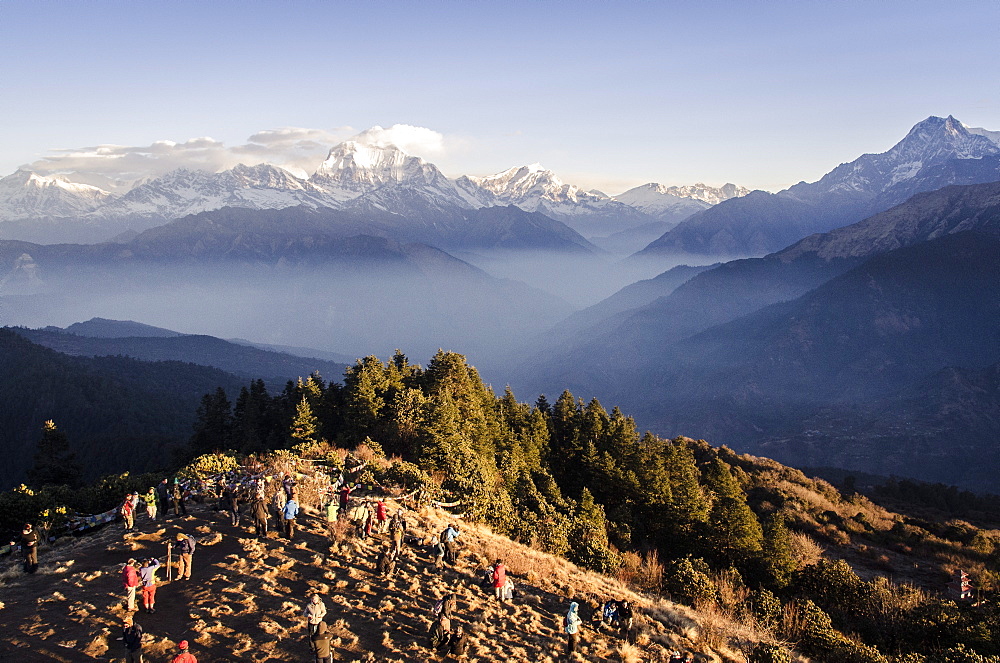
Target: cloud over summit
298,149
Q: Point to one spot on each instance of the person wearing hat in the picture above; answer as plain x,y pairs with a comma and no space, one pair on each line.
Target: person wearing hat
130,581
185,555
29,546
571,625
184,656
132,639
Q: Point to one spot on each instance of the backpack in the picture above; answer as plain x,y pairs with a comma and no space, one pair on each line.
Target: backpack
438,607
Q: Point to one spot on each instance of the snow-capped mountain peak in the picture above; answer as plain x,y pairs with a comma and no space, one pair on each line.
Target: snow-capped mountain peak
655,195
181,192
26,194
353,168
938,137
530,187
23,178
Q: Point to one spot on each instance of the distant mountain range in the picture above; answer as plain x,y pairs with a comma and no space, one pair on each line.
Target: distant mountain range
295,277
756,353
364,179
356,177
935,153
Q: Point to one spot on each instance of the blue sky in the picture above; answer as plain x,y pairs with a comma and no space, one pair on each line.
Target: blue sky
609,94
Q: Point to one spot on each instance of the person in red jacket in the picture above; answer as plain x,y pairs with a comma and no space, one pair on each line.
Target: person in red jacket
130,581
184,656
382,515
345,498
128,513
499,580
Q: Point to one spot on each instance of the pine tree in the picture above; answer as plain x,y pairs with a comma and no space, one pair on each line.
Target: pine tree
688,505
55,464
778,560
365,386
214,425
588,536
252,419
304,428
735,530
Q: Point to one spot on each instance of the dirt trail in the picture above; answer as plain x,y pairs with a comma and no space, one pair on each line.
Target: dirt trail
245,599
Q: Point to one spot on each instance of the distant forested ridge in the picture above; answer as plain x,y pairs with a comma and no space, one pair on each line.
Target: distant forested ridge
118,413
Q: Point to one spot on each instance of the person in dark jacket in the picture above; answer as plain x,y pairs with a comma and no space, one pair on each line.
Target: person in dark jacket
459,643
233,499
387,562
288,483
440,632
185,553
163,497
29,546
177,496
259,512
625,617
132,639
321,644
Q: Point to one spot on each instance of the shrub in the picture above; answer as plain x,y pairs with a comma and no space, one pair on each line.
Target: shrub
768,653
405,474
208,465
687,581
960,654
765,607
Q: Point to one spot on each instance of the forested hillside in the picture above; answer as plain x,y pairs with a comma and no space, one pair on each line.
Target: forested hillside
736,534
118,413
831,573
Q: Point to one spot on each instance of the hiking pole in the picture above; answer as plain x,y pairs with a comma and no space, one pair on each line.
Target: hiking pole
170,565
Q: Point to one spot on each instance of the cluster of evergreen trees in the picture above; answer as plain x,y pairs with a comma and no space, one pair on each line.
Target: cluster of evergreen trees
570,476
575,480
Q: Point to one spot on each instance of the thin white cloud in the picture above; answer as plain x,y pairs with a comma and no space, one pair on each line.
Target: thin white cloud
298,149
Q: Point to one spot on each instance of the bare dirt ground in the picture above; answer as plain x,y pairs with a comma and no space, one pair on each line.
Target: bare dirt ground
246,597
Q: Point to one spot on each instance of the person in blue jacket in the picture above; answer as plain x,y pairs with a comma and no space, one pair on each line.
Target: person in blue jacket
288,513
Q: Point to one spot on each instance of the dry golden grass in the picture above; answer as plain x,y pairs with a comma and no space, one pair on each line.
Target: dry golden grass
248,597
805,549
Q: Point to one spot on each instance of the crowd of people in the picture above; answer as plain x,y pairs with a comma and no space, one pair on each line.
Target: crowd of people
367,517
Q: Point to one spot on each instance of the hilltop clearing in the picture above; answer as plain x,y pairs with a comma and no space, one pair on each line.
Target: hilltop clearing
246,597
